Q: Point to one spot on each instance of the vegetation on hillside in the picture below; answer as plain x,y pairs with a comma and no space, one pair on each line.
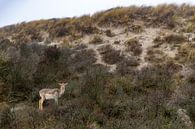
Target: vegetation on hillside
130,97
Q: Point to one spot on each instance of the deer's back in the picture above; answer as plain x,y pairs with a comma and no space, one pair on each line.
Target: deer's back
49,93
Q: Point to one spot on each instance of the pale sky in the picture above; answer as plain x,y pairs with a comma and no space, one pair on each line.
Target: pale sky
16,11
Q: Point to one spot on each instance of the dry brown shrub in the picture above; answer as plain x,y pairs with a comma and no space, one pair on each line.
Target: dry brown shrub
155,56
110,55
186,53
134,46
109,33
96,40
134,28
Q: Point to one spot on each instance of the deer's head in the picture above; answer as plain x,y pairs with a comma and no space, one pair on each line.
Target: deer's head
63,84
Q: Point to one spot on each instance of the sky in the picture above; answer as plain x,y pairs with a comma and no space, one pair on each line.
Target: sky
16,11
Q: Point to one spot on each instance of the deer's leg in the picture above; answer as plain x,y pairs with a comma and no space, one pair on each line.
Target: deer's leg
41,103
56,101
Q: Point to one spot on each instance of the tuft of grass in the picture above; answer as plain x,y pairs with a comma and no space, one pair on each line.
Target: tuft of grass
158,41
134,28
5,115
186,53
132,41
125,84
134,46
174,39
156,77
117,42
127,65
109,33
190,28
155,56
96,40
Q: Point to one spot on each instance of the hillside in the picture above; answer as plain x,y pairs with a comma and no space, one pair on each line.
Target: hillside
127,68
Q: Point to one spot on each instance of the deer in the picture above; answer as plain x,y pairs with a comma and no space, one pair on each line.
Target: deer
47,94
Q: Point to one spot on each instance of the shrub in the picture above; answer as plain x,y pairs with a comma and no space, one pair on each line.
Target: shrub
94,84
134,46
65,42
117,42
15,80
6,116
134,28
186,53
120,85
112,17
96,40
190,28
19,38
110,55
51,68
157,77
185,98
158,41
109,33
4,69
81,60
174,39
170,38
127,65
5,44
191,110
132,41
52,53
155,56
166,16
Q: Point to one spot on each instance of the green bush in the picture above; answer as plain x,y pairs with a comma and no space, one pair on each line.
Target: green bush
127,66
120,85
81,60
94,83
6,117
157,77
191,110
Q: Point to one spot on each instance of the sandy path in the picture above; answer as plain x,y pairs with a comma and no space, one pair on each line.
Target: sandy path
146,39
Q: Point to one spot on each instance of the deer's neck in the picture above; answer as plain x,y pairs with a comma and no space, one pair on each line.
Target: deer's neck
62,91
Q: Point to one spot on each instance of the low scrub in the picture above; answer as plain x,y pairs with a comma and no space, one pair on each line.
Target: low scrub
134,28
127,66
155,56
109,33
96,40
134,46
186,53
172,39
157,77
110,55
